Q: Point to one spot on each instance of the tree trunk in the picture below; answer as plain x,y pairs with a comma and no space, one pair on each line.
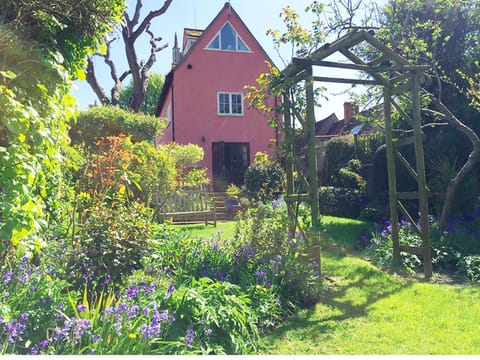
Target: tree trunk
474,157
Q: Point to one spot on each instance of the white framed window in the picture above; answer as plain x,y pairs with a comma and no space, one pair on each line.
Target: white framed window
227,39
230,103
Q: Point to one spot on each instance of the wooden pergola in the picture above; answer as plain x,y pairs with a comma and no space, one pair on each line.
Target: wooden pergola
397,77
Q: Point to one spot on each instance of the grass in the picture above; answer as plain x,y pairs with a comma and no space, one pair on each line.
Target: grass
367,311
225,228
343,232
370,312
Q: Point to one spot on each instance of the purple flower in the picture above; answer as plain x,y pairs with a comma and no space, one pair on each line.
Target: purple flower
81,308
108,310
164,315
189,338
170,289
133,311
95,338
43,344
7,277
106,281
81,327
132,291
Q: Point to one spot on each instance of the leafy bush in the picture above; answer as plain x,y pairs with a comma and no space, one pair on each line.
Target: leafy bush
338,152
380,252
105,121
110,242
469,267
345,202
275,260
215,317
186,157
265,178
153,170
34,112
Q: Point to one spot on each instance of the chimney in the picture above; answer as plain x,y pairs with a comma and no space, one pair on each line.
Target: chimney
175,53
350,109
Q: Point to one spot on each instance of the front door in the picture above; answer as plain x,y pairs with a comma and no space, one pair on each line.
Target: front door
230,161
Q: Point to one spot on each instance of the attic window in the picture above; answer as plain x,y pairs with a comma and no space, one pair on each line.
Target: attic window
227,39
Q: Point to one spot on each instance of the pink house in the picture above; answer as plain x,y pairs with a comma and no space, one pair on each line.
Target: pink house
203,98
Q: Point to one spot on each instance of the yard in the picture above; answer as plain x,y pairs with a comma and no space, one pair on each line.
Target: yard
367,311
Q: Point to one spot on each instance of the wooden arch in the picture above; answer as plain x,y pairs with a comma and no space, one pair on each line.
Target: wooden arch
396,76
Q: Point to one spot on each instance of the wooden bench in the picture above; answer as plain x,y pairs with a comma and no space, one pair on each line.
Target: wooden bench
189,206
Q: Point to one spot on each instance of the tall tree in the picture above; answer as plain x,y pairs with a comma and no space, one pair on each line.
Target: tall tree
131,29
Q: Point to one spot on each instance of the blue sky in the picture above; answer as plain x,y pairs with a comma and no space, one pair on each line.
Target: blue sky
258,15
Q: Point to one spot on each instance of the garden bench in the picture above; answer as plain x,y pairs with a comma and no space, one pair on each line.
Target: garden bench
189,206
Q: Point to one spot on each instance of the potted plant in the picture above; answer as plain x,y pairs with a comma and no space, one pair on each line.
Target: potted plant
233,193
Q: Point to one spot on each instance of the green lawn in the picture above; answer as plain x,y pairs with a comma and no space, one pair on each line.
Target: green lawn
225,228
367,311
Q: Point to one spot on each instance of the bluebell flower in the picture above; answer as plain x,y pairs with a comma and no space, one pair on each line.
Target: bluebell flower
190,335
7,277
170,289
106,281
133,311
81,308
132,291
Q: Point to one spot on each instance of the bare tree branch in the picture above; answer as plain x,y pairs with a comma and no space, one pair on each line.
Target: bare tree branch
138,70
473,159
149,18
92,81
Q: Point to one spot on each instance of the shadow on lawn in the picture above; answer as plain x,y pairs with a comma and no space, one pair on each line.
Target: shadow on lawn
353,287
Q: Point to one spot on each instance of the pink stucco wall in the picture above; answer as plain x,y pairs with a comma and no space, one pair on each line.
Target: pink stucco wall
198,79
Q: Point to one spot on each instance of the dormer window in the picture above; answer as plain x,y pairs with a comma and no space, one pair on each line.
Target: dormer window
227,39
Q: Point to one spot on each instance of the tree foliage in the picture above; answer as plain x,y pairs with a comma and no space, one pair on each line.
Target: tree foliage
69,28
444,34
149,105
42,45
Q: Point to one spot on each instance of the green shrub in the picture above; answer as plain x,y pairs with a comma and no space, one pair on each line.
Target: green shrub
103,121
153,170
344,202
215,318
338,152
109,242
270,258
380,250
469,267
265,179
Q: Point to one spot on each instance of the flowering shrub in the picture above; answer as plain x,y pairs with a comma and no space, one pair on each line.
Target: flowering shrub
274,258
379,250
454,249
110,241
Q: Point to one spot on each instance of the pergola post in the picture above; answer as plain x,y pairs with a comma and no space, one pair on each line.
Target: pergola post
422,184
392,181
312,165
287,123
